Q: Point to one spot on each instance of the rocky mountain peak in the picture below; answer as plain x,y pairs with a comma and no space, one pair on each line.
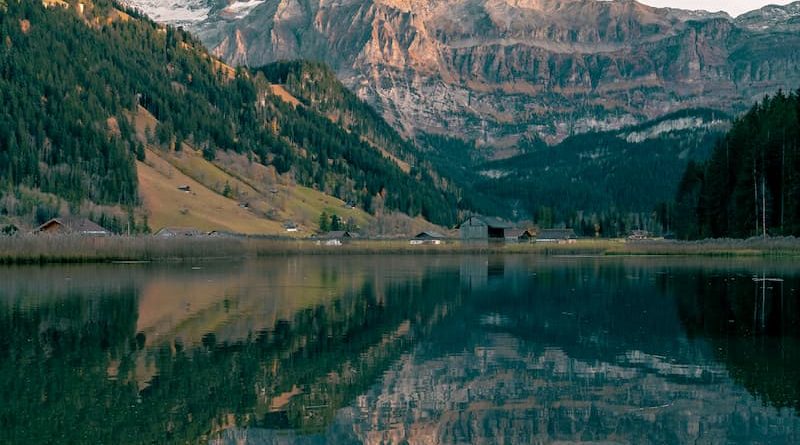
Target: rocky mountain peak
772,18
498,70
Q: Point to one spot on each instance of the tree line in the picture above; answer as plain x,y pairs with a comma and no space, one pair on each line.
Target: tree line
750,186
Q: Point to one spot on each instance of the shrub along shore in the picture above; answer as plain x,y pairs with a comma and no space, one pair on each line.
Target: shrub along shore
76,249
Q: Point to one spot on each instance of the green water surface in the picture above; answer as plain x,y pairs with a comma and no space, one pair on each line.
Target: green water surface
405,349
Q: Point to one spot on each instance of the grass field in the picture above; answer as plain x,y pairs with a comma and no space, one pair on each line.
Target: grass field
201,208
73,249
233,193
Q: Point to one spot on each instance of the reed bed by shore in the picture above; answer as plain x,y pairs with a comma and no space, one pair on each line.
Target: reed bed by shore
80,249
764,247
77,249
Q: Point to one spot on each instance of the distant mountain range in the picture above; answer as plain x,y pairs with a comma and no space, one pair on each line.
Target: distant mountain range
495,71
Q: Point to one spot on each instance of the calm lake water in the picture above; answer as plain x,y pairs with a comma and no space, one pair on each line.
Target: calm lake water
418,350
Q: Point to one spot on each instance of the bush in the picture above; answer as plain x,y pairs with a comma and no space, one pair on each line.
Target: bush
9,230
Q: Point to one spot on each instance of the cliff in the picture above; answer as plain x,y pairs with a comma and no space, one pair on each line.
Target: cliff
496,70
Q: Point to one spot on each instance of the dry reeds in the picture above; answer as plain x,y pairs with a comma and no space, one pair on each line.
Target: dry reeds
34,249
764,247
31,249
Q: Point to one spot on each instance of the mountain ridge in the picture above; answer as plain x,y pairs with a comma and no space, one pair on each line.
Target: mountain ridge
496,71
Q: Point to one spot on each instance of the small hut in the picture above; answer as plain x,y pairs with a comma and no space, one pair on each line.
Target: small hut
334,238
560,236
178,232
428,237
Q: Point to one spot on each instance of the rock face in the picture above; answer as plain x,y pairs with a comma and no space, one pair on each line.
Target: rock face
495,70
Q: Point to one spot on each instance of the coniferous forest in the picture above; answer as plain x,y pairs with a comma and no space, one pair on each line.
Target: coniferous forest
750,186
71,79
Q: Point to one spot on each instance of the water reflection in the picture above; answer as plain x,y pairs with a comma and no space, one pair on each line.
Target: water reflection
401,350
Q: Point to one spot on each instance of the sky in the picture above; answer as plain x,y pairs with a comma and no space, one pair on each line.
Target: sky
732,7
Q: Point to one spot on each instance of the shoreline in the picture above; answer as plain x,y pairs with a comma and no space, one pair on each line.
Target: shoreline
147,249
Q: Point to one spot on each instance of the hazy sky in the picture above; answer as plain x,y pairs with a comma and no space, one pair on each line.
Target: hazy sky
732,7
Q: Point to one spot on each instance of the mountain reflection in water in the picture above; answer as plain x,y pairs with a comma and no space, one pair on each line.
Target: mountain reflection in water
402,349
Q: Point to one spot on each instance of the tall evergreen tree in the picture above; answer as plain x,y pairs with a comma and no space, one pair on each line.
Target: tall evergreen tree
749,186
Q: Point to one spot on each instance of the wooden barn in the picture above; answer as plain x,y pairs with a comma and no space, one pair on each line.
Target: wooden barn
71,225
481,228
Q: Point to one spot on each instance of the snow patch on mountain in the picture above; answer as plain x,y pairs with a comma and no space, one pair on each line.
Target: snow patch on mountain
772,17
240,10
668,126
174,12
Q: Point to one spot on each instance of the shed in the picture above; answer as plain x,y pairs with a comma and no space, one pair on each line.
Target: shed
178,232
483,228
428,237
560,236
334,237
72,225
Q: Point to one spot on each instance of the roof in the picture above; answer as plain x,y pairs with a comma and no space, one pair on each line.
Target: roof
335,234
178,231
429,235
556,234
74,224
516,233
491,222
222,234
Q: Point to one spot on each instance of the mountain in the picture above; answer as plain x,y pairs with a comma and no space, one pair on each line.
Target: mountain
108,113
496,71
772,18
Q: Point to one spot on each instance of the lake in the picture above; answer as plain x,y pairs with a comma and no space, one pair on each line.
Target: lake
402,349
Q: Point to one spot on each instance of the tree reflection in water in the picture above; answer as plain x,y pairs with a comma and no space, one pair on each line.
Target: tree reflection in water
388,349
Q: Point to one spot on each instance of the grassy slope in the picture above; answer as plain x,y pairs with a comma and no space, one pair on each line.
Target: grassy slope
201,208
206,208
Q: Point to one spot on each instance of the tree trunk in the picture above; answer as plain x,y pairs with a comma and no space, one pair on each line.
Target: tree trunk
763,205
755,193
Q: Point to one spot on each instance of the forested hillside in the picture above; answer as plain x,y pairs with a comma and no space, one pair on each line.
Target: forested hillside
317,87
603,183
72,76
751,184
